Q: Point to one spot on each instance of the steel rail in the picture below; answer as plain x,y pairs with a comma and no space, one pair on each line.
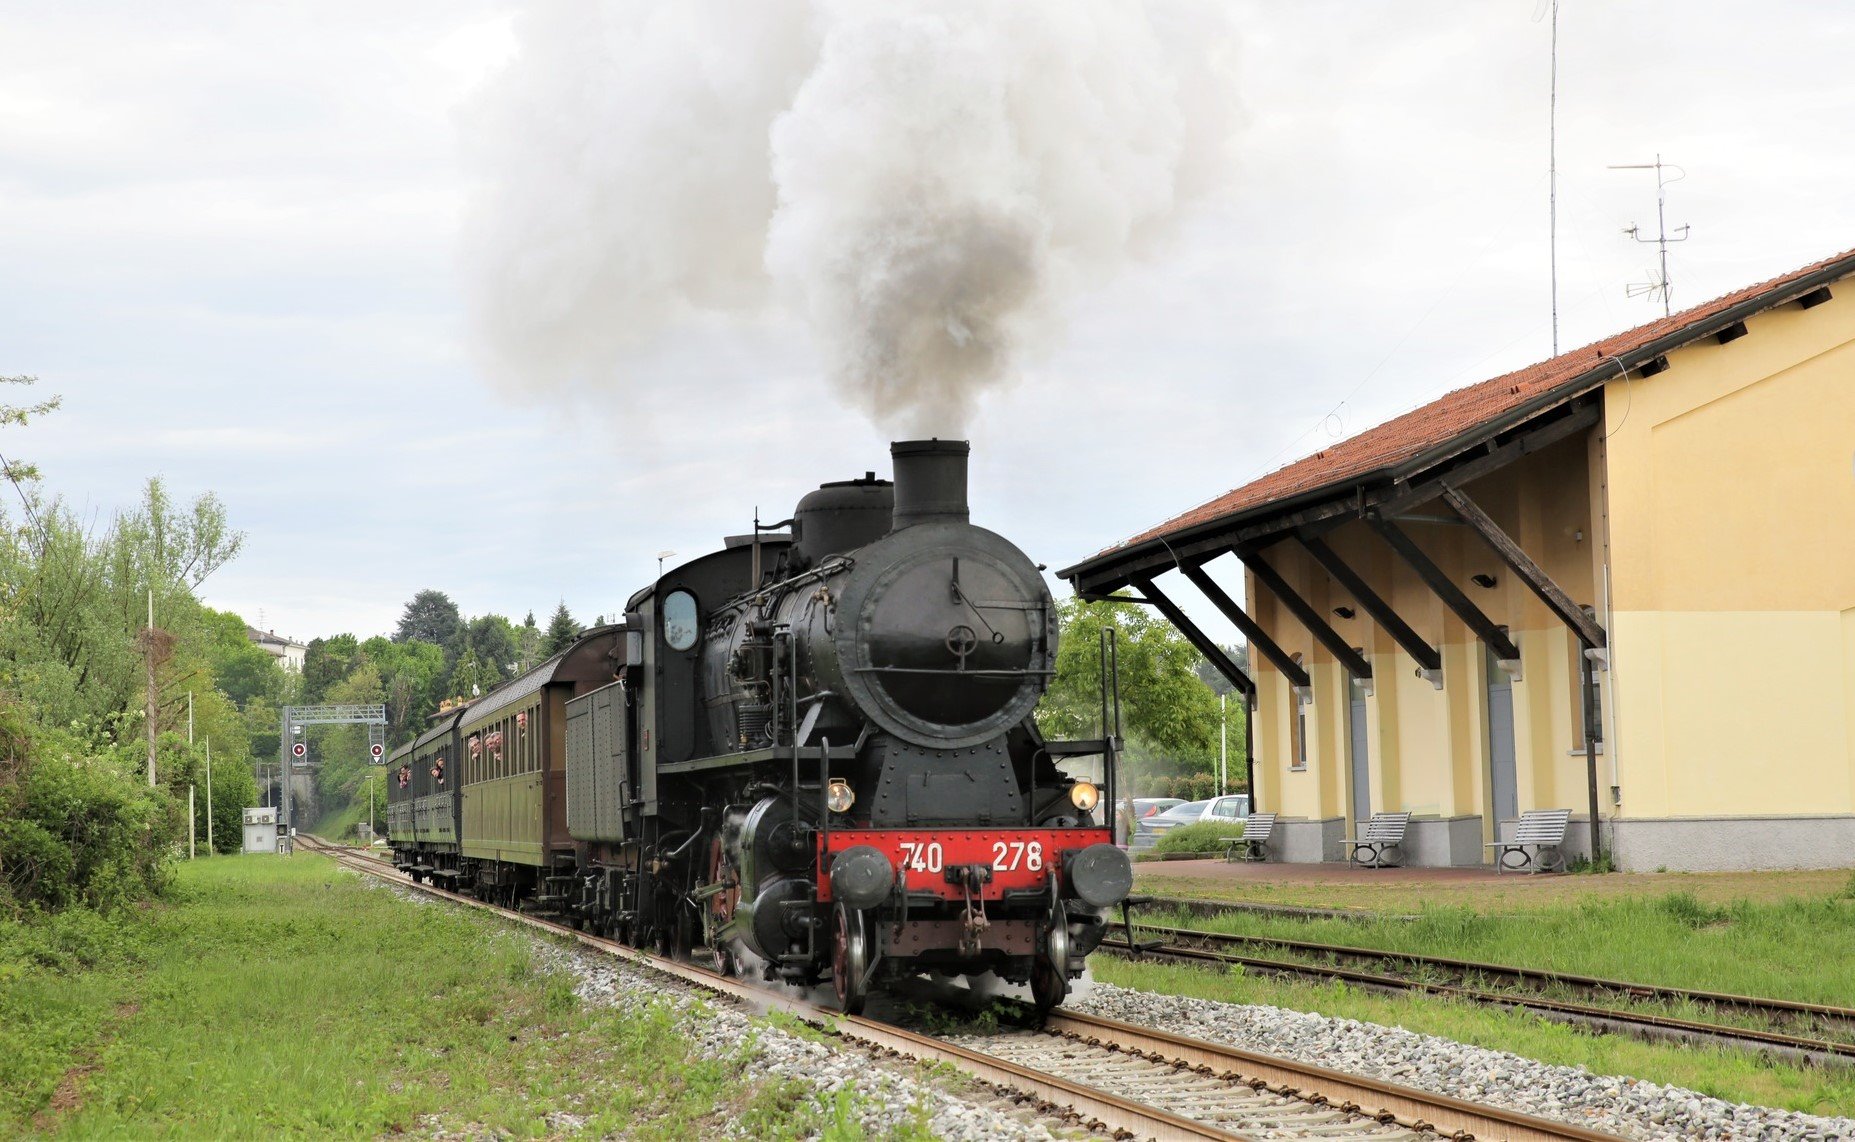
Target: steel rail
1611,1018
1595,983
1376,1100
1450,1117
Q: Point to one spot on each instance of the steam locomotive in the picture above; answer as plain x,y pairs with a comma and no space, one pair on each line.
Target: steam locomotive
811,751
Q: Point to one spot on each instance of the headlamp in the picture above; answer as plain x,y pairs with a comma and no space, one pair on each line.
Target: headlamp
1084,796
838,796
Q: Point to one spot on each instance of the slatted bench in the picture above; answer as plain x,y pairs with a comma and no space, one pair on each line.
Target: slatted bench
1382,836
1257,828
1540,832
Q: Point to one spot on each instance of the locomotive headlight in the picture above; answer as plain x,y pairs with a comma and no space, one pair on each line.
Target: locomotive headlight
838,796
1084,796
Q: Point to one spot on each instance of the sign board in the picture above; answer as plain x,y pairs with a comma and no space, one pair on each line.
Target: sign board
299,750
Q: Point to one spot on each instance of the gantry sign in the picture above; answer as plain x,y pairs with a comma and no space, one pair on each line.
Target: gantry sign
295,717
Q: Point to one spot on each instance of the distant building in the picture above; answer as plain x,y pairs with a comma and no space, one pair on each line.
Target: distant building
288,652
1672,508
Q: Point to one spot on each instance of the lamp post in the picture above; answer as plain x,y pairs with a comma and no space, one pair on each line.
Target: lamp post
661,556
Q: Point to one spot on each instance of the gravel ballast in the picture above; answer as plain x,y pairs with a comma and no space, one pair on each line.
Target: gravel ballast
1631,1108
885,1098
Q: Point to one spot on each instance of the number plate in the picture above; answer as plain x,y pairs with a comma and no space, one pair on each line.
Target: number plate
1017,858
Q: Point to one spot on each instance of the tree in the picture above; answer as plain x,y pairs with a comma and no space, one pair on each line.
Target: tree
561,631
1164,704
412,674
470,678
326,663
431,617
528,643
494,642
1214,678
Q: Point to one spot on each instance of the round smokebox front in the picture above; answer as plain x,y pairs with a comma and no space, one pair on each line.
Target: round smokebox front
954,635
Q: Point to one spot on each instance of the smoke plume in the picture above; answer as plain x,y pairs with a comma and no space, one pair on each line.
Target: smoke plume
923,183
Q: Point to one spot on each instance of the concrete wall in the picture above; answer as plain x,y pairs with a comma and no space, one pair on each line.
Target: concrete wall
1725,844
1444,842
1303,841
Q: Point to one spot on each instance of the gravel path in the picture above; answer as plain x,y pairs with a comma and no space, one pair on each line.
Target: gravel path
1628,1107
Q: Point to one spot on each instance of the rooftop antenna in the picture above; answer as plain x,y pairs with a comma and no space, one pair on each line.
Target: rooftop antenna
1659,284
1552,167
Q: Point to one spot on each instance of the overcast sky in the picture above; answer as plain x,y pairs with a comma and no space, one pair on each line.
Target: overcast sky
230,243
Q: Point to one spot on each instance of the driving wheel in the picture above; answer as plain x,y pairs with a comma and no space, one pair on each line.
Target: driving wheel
1050,974
849,959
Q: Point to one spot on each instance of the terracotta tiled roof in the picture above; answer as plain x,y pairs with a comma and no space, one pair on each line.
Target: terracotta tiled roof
1449,417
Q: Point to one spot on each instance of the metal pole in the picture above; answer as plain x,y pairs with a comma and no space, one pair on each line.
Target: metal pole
1592,723
209,796
283,771
193,828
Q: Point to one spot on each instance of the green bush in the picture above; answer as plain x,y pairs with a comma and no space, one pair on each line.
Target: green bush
78,830
1203,837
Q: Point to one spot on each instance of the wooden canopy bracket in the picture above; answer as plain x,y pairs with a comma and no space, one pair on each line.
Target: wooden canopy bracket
1250,628
1491,635
1531,573
1213,653
1342,651
1371,602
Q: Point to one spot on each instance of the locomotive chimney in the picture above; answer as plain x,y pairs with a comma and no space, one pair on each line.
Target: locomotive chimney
930,481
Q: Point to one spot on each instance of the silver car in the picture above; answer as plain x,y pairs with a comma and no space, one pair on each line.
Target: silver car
1230,808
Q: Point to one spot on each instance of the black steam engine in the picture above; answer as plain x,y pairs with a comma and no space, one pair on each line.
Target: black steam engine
810,751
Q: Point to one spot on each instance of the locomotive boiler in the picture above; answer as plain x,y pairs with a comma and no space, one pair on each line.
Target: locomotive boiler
813,751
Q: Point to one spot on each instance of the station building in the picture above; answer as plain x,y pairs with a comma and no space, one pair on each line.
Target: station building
1620,582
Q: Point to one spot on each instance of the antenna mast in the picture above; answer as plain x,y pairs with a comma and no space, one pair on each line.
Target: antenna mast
1552,165
1659,285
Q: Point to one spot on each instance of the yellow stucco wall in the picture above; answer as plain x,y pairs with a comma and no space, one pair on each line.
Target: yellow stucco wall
1732,497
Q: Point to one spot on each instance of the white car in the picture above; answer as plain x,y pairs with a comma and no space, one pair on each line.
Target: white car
1230,809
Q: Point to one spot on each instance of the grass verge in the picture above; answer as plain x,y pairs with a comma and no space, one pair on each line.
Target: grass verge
1787,949
1395,890
280,995
1731,1075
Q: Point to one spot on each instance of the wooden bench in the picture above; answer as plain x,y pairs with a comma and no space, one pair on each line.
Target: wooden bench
1382,836
1256,830
1539,832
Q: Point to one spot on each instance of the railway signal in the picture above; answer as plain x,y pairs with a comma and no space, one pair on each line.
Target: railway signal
378,751
299,750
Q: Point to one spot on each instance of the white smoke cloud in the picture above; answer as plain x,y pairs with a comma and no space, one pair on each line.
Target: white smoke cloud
924,183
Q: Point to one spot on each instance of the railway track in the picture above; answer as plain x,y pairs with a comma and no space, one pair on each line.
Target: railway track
1126,1080
1197,945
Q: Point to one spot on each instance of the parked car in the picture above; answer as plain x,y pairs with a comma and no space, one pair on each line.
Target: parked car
1230,808
1145,807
